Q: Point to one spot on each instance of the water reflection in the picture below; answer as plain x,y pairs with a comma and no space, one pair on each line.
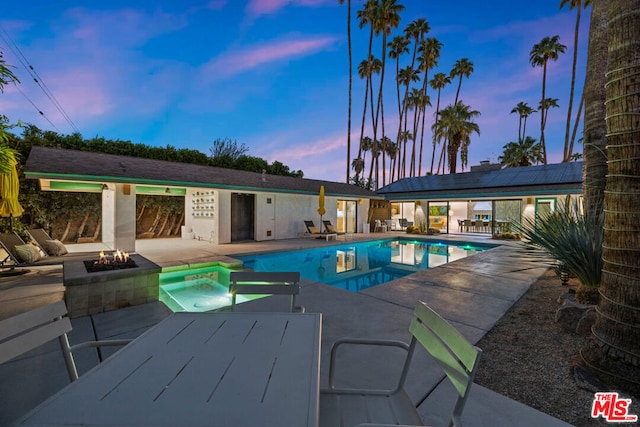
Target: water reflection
362,265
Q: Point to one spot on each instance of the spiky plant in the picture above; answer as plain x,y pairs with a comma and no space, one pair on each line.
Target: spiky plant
573,238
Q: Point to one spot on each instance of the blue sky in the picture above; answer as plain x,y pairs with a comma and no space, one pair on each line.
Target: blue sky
270,74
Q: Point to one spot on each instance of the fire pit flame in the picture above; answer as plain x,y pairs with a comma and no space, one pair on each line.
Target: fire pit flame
119,260
117,257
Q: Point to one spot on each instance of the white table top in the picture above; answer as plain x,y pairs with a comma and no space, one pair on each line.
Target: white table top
215,369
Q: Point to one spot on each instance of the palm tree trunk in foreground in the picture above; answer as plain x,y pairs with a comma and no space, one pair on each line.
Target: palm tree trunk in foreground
617,328
595,127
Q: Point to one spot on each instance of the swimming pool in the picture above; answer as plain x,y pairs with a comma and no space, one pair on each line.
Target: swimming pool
358,266
353,266
198,289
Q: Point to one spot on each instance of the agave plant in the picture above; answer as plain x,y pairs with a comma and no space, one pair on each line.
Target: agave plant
575,239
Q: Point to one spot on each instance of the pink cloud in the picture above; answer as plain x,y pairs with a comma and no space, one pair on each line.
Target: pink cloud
126,26
234,62
266,7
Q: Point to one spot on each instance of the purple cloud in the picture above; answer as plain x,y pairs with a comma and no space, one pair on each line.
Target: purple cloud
234,62
266,7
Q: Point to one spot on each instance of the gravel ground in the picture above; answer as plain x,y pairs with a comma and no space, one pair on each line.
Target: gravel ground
528,357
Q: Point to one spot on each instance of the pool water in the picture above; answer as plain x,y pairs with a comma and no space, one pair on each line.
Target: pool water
197,289
358,266
354,267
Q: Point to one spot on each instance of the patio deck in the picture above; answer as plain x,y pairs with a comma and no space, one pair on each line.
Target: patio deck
472,293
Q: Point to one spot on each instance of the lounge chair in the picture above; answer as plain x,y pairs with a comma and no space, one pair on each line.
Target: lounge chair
265,283
20,254
311,228
404,223
456,356
330,228
26,331
48,245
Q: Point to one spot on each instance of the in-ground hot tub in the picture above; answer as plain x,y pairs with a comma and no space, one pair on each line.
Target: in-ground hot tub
90,293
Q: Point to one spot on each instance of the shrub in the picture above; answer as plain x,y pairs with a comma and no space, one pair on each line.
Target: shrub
571,237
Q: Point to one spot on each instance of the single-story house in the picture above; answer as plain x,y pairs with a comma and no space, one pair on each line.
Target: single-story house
221,205
488,199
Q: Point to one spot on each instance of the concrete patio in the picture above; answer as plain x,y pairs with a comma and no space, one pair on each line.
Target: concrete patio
472,293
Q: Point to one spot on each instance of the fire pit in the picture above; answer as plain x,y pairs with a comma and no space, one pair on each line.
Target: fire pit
118,261
93,287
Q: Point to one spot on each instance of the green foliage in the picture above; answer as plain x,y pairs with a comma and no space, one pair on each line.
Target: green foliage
250,163
571,237
366,183
522,153
6,75
227,148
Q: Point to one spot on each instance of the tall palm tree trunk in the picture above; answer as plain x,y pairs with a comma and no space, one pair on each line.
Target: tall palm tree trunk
567,152
617,327
433,153
364,119
542,113
369,82
575,126
520,128
380,108
350,89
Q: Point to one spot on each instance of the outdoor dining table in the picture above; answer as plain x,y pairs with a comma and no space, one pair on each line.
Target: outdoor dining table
218,369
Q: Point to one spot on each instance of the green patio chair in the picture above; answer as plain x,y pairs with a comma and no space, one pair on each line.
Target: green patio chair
456,356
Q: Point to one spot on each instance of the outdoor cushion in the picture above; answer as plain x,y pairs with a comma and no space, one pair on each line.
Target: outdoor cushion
28,253
55,247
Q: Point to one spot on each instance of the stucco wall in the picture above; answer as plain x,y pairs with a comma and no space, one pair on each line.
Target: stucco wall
277,215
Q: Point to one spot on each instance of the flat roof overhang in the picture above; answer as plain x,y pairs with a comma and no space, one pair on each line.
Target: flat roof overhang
89,183
487,193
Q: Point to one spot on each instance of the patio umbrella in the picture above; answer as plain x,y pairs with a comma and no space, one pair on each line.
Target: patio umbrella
321,209
9,188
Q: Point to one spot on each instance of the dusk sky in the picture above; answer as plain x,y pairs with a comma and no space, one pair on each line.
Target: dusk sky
271,74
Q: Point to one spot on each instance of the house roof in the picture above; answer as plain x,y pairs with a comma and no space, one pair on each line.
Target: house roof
84,166
561,178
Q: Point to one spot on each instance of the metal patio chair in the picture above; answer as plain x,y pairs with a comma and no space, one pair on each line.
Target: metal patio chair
457,357
26,331
265,283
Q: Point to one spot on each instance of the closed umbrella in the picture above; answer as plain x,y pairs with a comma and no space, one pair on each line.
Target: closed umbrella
321,209
9,188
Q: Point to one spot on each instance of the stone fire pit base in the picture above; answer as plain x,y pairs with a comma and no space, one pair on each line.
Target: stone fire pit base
91,293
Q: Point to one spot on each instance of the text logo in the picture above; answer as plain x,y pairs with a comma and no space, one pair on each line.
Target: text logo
612,408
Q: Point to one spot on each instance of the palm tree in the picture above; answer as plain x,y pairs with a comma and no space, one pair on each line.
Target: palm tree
616,331
573,4
429,54
525,152
387,18
456,126
541,53
406,76
366,16
418,102
398,46
403,138
439,81
350,84
462,68
544,107
367,145
365,70
524,110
